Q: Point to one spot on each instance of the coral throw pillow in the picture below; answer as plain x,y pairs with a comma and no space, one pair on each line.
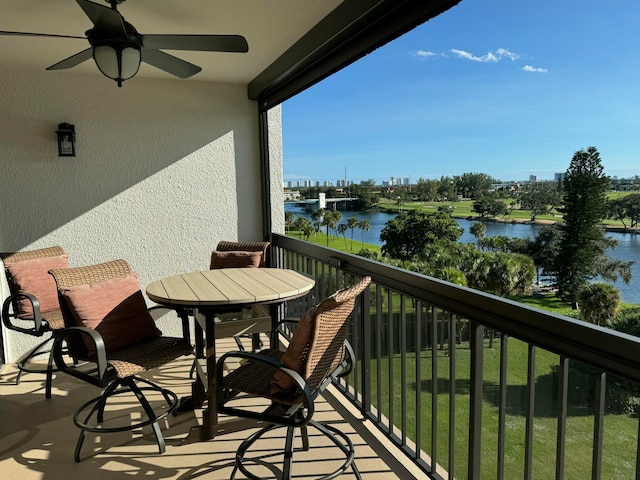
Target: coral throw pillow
235,259
295,357
32,276
115,308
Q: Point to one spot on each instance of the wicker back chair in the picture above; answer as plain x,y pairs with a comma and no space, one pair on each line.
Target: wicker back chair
112,361
318,353
23,312
258,316
226,246
249,322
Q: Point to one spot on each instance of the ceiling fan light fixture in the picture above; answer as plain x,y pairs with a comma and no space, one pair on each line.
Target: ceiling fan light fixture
118,62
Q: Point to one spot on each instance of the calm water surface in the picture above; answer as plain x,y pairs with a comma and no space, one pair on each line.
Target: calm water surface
628,243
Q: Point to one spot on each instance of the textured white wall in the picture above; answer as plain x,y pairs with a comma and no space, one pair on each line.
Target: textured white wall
164,170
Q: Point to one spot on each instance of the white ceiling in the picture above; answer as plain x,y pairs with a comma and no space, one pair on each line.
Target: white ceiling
270,27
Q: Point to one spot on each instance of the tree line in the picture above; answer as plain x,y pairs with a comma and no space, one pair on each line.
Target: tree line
329,219
572,252
491,197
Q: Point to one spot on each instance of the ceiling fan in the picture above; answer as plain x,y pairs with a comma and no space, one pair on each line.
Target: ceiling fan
118,48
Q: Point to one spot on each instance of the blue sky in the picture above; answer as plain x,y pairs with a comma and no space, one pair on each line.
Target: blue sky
510,88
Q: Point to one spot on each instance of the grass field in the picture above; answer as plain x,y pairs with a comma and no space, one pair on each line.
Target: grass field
343,244
463,209
620,431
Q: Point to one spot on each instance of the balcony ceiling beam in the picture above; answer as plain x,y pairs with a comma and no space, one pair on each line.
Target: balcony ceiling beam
351,31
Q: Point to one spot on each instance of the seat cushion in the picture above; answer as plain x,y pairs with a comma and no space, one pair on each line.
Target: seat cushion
146,355
32,276
115,308
295,357
235,259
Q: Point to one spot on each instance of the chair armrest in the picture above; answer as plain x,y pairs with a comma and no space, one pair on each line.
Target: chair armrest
350,360
97,375
276,329
38,327
301,384
183,313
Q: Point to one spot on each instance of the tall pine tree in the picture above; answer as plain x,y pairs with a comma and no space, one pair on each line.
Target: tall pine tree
584,207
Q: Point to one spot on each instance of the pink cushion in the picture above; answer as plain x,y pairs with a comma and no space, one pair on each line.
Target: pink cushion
32,276
295,357
235,259
115,308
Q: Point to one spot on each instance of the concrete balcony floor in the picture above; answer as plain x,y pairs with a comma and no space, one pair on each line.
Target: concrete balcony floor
37,437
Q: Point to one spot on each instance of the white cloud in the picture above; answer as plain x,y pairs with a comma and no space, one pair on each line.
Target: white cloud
503,52
529,68
424,54
490,57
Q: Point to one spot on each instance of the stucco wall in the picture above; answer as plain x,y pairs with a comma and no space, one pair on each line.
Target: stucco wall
164,170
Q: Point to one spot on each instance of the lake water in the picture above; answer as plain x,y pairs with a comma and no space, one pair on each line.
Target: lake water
628,243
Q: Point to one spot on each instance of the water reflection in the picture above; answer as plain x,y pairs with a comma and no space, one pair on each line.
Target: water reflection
628,248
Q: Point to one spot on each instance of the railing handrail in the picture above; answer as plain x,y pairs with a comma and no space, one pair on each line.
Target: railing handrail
601,347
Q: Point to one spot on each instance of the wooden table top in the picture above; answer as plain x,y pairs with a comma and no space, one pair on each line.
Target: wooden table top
230,286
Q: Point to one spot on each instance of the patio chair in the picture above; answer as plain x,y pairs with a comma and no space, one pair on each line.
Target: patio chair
110,328
318,353
244,254
251,321
32,305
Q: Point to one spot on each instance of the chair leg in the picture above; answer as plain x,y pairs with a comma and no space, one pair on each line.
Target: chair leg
304,433
117,387
38,350
98,407
242,450
101,404
49,377
79,442
346,447
239,344
288,453
150,413
339,439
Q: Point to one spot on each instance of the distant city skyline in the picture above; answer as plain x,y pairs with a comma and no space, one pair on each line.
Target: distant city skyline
506,88
556,177
400,181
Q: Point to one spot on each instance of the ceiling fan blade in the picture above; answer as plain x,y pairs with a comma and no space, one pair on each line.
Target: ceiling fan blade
28,34
201,43
73,60
169,63
104,18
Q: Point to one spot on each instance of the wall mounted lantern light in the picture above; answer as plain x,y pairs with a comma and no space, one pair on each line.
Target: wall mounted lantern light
66,140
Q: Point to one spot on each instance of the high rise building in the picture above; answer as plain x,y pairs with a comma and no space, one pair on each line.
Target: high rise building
559,177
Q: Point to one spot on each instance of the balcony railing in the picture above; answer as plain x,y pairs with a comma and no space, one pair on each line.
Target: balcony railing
470,385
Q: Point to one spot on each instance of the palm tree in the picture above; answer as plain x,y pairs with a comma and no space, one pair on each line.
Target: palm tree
453,275
308,230
318,218
365,226
329,220
599,303
478,230
303,225
337,216
288,220
352,223
342,229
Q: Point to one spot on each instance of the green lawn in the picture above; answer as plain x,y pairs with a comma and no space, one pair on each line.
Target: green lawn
620,432
463,209
343,244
